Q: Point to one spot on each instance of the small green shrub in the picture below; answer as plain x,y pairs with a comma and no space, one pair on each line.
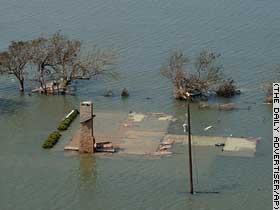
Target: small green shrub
64,124
51,140
55,136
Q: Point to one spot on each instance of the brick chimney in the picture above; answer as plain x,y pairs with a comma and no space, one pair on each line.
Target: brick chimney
87,139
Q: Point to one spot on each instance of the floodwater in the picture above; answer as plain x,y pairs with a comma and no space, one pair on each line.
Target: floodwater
143,33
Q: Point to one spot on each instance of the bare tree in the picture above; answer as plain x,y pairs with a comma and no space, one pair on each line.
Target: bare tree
175,71
207,67
73,62
227,89
267,86
55,58
14,60
42,60
206,73
96,62
65,54
63,59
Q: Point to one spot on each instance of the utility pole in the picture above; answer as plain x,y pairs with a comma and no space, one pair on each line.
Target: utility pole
190,150
187,97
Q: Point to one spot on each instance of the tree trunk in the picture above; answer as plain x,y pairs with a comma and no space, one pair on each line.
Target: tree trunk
21,87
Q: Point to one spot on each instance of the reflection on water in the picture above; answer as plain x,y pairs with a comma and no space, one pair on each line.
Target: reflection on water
8,106
88,172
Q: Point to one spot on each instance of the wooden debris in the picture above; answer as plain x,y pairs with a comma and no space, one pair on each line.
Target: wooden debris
226,107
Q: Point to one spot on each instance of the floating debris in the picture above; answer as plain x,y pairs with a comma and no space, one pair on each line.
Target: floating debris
269,99
208,127
168,118
219,144
203,105
226,107
136,117
106,146
164,147
124,93
109,93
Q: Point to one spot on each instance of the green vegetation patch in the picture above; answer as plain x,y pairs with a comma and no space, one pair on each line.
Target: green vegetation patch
64,124
51,140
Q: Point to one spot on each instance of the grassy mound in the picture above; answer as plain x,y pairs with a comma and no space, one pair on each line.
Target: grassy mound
51,140
64,124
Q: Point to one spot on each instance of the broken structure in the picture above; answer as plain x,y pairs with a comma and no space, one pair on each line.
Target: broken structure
143,134
84,139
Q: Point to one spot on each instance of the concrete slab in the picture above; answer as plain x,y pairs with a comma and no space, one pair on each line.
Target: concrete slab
140,145
233,146
146,133
130,133
196,140
239,144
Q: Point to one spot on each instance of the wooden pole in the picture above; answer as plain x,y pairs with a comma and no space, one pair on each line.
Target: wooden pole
190,149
